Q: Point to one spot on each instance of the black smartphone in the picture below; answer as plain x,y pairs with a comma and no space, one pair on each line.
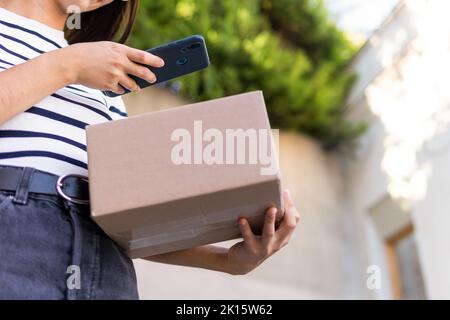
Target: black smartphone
181,57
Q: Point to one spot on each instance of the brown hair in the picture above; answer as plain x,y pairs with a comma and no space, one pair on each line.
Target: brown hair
104,23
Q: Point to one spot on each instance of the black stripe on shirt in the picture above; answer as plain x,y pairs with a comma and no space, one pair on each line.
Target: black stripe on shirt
92,99
57,117
118,111
22,43
104,114
77,89
33,134
45,154
14,26
6,62
13,53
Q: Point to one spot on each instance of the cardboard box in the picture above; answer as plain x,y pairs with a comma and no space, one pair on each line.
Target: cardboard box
182,177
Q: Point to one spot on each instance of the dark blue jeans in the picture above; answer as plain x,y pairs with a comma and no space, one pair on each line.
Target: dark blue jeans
51,249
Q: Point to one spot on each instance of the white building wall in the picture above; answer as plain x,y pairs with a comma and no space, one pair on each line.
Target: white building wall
432,221
403,71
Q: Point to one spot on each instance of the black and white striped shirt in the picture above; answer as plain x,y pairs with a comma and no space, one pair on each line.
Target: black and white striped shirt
50,135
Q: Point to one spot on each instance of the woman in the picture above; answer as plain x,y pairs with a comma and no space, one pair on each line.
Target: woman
50,89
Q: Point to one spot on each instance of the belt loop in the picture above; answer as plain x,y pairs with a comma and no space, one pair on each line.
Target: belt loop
21,196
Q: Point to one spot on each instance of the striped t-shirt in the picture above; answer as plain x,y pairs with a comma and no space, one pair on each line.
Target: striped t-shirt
50,135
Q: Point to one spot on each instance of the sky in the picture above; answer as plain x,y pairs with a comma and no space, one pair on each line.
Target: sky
360,17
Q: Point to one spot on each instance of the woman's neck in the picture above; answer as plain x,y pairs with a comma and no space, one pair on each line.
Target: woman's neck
44,11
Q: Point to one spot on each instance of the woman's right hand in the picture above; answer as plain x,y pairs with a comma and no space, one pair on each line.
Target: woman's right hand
106,65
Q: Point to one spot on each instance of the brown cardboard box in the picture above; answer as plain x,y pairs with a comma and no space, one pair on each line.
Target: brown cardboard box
157,183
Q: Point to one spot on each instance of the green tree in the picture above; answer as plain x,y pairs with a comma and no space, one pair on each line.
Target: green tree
287,48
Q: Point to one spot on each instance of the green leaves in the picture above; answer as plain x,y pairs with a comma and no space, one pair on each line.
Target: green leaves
287,48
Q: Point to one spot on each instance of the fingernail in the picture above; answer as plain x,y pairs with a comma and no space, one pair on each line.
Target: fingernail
242,221
153,80
161,63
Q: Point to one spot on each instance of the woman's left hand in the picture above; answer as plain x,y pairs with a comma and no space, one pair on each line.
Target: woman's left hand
245,256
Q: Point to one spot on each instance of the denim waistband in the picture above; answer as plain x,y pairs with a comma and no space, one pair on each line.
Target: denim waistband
74,212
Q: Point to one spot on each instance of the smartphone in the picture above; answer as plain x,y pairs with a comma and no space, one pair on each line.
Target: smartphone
181,57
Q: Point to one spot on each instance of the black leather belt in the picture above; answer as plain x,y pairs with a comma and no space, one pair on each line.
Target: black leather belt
73,188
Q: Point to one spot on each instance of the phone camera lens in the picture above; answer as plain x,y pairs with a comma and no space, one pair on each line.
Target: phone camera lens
182,61
194,46
190,47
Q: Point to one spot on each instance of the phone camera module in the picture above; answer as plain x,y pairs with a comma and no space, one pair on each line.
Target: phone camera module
192,46
182,61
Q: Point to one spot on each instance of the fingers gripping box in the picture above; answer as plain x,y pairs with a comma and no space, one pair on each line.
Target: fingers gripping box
182,177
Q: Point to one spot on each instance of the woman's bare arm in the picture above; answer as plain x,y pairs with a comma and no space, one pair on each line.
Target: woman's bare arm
24,85
244,256
205,257
99,65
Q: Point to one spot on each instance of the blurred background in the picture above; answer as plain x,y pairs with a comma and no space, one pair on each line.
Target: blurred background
360,92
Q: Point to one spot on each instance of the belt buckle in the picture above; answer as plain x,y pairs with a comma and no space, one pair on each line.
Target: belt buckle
60,184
